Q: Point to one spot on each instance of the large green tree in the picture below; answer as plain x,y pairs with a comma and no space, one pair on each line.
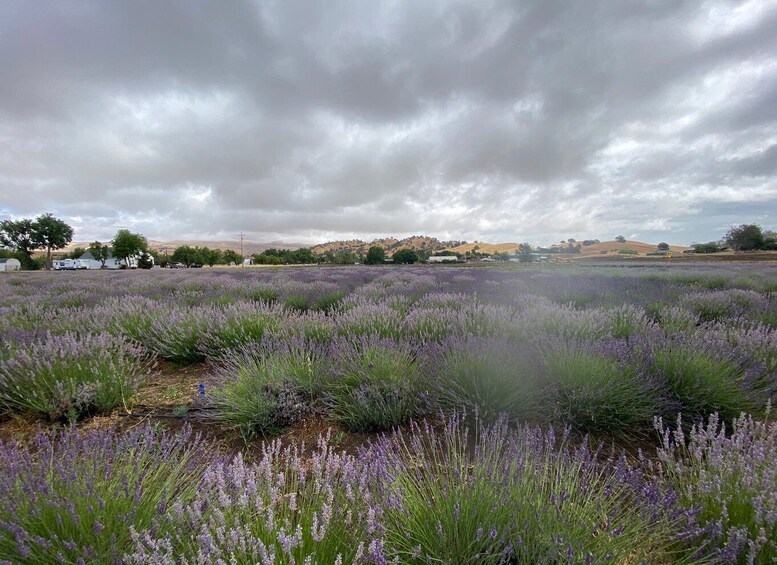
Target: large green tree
746,237
525,253
230,256
20,236
100,252
375,256
75,253
127,244
405,256
187,255
211,256
50,233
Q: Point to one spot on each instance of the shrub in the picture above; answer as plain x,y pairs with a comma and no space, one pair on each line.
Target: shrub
627,320
260,294
329,301
676,319
131,317
543,316
700,379
522,497
259,394
376,384
296,302
366,318
67,376
731,476
237,326
284,509
72,497
594,391
488,378
716,305
176,336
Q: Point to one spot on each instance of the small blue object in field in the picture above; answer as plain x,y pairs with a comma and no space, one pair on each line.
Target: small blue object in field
201,389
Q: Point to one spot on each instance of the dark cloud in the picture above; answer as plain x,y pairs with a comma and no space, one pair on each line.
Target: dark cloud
312,120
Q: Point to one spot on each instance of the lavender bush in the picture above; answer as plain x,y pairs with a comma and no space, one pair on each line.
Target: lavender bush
283,509
176,336
488,377
594,388
731,475
72,497
238,325
376,384
66,376
496,496
259,394
701,379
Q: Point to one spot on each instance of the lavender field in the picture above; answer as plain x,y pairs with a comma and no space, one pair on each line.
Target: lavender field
527,415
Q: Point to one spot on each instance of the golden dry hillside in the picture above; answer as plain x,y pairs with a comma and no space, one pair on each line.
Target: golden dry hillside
615,246
390,245
489,248
603,248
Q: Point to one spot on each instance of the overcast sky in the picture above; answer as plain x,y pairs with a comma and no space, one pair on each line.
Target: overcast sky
312,121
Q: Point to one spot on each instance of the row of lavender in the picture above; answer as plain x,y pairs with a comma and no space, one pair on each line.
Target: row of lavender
373,348
429,495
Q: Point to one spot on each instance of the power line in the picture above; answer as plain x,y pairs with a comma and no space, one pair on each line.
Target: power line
241,235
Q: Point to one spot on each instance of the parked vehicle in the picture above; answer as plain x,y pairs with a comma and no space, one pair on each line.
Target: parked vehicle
70,265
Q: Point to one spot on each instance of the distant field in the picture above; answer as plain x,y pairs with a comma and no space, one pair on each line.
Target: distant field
493,386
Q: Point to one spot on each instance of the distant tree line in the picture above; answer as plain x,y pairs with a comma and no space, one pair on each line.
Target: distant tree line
301,256
745,237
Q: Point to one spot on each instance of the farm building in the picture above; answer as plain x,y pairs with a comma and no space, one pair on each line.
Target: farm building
110,263
10,264
443,259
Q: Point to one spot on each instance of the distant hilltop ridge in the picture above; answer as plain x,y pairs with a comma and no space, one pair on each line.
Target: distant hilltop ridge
389,244
433,245
429,245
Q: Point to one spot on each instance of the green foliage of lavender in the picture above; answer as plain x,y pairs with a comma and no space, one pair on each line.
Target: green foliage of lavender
66,376
73,497
489,378
238,325
594,391
701,379
730,474
526,496
176,336
691,340
260,395
376,384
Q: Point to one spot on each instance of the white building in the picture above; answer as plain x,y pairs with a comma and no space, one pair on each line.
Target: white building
111,262
10,264
443,259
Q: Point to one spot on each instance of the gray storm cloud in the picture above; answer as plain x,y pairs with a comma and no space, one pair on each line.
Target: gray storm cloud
309,121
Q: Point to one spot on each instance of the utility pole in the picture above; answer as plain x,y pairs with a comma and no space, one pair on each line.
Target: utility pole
242,257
